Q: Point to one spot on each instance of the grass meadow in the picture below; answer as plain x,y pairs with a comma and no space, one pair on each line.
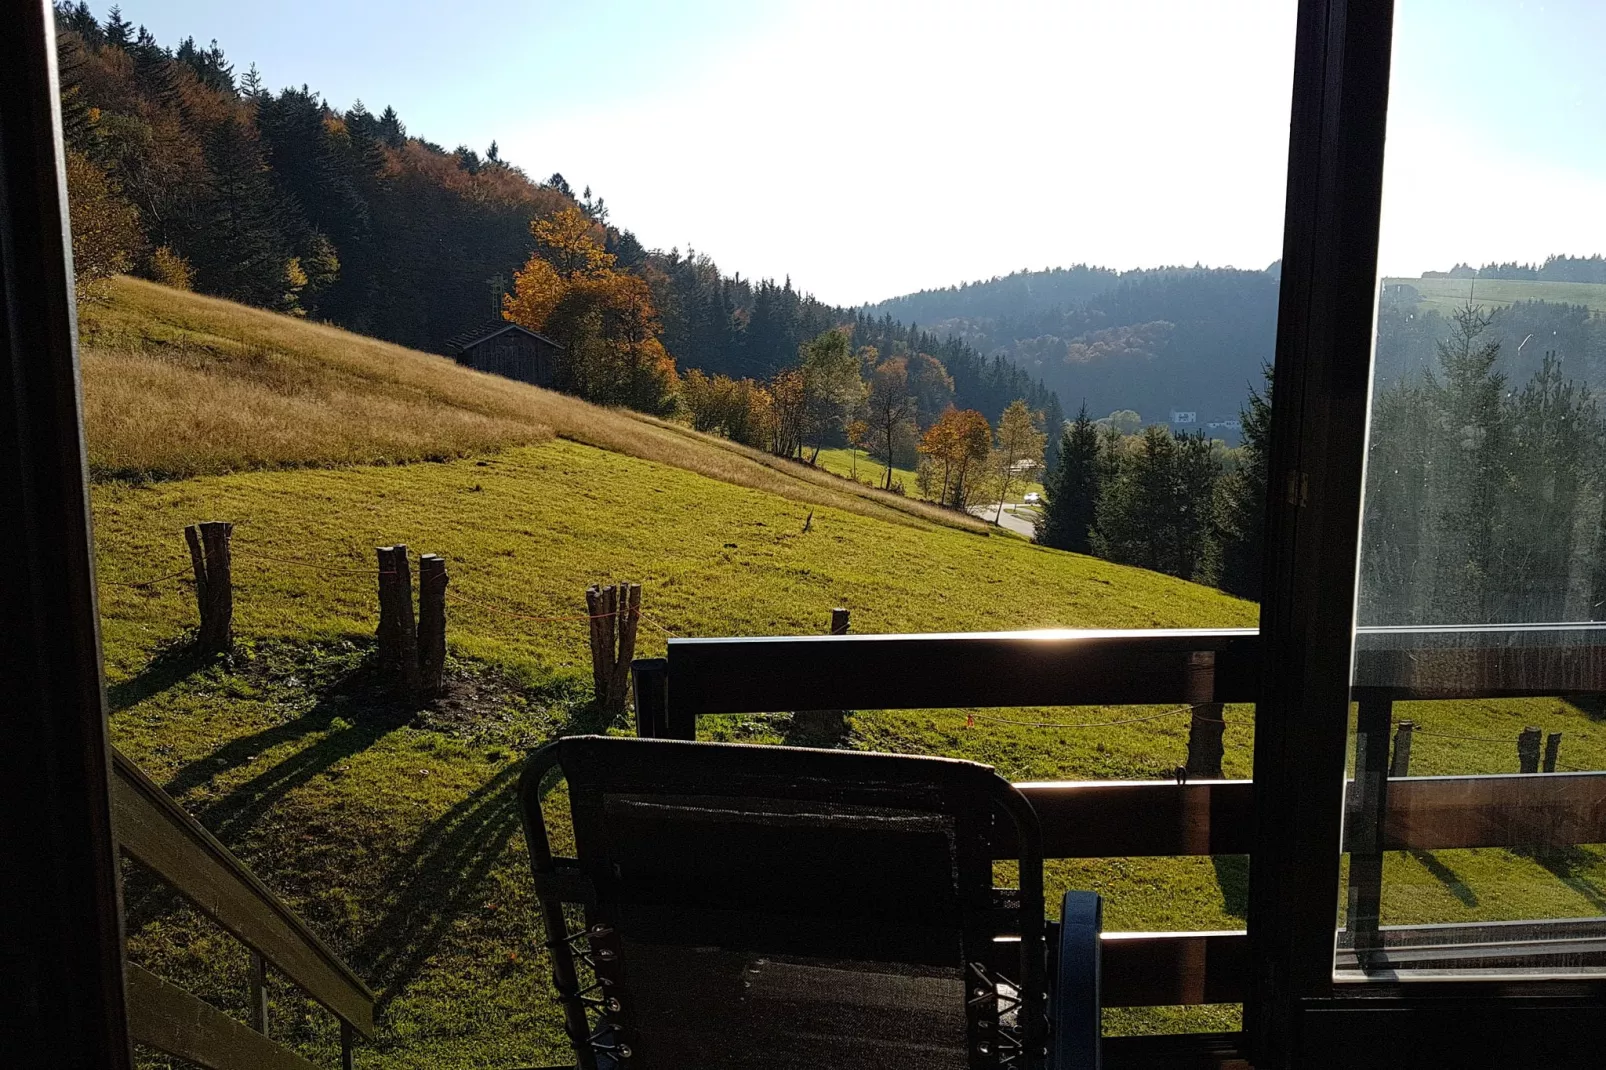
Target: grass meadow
391,826
1447,295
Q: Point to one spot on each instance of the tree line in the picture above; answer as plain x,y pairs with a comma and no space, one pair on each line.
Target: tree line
1556,268
1170,501
185,171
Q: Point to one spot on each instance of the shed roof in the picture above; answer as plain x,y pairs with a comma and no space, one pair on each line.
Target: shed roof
460,343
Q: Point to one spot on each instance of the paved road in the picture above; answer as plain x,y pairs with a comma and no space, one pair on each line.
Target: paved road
1020,525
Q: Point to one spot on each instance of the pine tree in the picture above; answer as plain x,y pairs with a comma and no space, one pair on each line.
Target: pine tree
1073,489
1469,473
1155,514
119,32
1240,507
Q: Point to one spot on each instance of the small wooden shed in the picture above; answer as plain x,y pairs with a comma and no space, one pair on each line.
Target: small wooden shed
504,348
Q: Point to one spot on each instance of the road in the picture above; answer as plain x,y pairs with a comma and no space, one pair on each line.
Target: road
1022,524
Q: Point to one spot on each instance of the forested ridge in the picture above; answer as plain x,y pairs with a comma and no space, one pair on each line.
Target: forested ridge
1152,340
186,171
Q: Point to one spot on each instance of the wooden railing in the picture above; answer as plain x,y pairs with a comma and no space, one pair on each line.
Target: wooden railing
1211,817
155,831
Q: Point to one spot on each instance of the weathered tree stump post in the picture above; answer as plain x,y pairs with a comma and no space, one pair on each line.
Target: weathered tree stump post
1401,763
839,621
1552,751
398,627
431,623
1528,750
1205,732
614,611
214,584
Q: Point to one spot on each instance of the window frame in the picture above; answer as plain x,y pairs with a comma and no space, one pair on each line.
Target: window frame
1298,1013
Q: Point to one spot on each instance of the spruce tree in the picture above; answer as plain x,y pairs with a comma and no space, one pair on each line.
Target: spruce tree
1240,506
119,31
1073,489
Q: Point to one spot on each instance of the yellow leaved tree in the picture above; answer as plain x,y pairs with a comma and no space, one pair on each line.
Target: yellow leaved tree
604,318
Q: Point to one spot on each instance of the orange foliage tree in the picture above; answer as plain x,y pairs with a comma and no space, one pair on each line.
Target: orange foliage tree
604,318
959,441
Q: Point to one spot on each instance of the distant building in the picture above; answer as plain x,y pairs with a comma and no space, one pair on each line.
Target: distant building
1184,418
506,349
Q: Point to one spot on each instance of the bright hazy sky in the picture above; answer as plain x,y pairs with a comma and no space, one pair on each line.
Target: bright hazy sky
871,148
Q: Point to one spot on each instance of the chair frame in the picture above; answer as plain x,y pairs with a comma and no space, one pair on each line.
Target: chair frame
591,1003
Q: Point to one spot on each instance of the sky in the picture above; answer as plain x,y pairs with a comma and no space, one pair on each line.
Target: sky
867,148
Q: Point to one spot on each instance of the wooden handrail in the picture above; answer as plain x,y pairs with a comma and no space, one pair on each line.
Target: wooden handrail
169,1019
156,831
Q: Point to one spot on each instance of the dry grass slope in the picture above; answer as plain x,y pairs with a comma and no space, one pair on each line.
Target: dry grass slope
178,385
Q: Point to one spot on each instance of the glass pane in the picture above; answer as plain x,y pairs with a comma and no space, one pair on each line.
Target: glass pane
1473,811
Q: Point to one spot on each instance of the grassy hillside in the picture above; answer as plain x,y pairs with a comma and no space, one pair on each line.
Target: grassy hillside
177,385
1447,295
390,826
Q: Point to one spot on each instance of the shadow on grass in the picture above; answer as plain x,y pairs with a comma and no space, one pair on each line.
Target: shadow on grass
1567,864
438,879
173,663
442,876
1232,875
1446,876
816,728
1591,706
355,695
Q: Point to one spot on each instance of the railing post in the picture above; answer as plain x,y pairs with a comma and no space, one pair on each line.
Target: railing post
348,1041
1367,806
1401,763
1528,743
651,678
1207,726
259,992
821,726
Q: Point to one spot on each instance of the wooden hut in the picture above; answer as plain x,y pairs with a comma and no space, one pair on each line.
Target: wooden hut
504,348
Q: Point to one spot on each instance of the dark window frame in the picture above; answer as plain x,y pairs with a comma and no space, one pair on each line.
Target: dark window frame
64,909
1298,1014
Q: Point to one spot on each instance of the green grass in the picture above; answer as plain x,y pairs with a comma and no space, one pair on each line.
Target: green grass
842,462
391,827
339,802
1447,295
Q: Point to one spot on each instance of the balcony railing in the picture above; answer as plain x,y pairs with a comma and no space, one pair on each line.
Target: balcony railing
1104,819
155,831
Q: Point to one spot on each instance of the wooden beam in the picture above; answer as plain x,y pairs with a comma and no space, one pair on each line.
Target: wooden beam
1508,810
157,832
1120,818
1174,969
169,1019
1042,668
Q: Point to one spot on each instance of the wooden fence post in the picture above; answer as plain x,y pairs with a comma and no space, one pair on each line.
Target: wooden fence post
839,621
1208,725
387,636
398,627
214,584
1552,751
614,612
1401,764
1528,749
431,623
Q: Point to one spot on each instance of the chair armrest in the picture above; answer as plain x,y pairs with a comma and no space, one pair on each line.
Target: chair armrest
1075,1012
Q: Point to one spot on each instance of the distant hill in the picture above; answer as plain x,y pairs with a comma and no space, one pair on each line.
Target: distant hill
1153,340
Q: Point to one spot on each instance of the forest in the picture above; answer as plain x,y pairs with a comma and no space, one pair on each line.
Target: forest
1151,340
185,171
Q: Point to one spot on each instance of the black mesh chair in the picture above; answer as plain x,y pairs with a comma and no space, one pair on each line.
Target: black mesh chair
775,908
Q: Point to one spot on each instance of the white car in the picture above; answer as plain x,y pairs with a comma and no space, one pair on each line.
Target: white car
1032,497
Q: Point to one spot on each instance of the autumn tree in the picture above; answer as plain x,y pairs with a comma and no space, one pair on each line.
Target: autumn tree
1019,448
105,227
604,318
958,443
889,408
